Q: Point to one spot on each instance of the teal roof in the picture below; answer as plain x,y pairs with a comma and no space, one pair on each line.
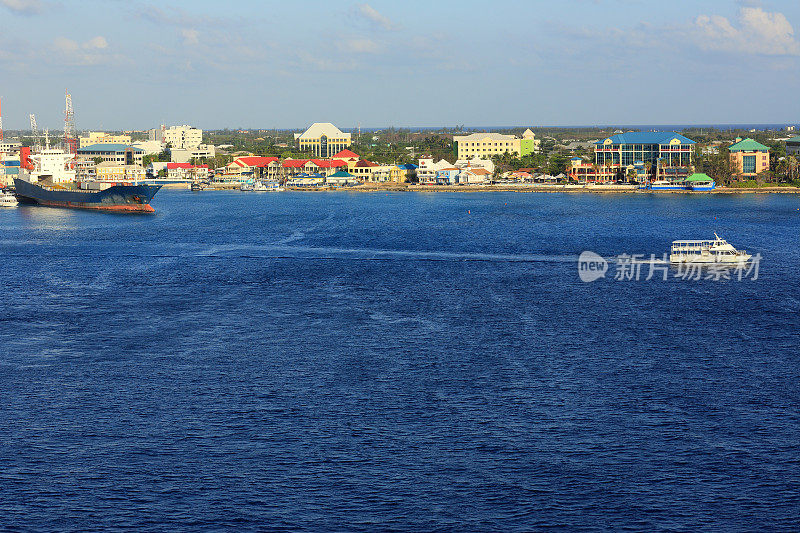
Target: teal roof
699,177
341,174
794,140
108,147
646,137
748,145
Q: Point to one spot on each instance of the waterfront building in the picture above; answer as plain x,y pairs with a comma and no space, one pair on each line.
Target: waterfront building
9,168
113,171
114,153
749,157
101,137
186,171
487,164
426,171
324,167
793,146
387,173
254,167
341,179
447,176
293,167
156,167
651,155
589,172
485,145
323,139
408,171
363,170
474,176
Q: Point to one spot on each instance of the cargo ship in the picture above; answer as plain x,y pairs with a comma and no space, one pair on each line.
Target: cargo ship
51,181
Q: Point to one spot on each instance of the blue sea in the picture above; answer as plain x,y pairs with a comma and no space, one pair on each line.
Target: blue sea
397,362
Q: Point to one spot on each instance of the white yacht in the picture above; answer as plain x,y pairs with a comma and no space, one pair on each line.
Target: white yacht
7,199
272,186
716,251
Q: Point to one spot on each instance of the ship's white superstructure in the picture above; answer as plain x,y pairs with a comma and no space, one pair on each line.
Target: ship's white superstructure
51,165
711,251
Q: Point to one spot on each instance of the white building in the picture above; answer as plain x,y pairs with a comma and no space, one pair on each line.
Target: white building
474,176
323,139
486,164
426,173
150,147
10,147
185,171
200,151
182,137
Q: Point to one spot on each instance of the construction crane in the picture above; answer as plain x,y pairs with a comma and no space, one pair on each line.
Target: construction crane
70,142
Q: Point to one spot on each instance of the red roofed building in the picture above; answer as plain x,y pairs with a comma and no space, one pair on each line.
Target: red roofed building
348,156
363,169
254,166
474,176
324,166
293,167
186,171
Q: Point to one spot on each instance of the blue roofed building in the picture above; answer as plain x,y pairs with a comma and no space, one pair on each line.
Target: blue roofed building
122,154
649,155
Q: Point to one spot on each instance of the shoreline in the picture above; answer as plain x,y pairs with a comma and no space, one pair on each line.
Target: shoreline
602,189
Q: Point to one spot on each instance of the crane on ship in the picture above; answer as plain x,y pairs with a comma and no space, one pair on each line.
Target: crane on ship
34,131
70,141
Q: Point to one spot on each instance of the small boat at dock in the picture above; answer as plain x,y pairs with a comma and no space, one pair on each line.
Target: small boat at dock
7,199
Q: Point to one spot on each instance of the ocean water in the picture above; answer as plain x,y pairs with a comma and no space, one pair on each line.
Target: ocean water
396,362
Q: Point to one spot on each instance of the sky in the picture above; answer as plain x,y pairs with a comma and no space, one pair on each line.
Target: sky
135,64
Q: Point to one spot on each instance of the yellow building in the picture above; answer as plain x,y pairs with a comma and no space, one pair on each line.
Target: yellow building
323,139
101,137
749,157
109,171
480,145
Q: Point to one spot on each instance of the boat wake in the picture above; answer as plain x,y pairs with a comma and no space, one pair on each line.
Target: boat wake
279,251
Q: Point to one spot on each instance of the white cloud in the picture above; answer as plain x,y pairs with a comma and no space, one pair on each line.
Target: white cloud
372,15
756,32
360,46
190,37
87,53
22,6
96,43
66,46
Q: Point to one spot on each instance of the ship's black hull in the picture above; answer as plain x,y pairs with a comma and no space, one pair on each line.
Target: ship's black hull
123,198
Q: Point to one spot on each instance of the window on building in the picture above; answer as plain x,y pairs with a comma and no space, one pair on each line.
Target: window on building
749,164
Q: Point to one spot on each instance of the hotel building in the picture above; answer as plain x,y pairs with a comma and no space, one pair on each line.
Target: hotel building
652,155
480,145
